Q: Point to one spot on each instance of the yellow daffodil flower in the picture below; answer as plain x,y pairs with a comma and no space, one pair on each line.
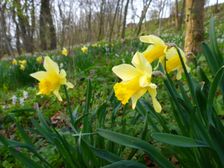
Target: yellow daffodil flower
39,59
51,79
64,52
84,49
22,64
22,67
158,50
14,62
173,62
136,81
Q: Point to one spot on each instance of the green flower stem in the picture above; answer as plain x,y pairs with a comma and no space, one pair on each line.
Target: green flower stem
69,108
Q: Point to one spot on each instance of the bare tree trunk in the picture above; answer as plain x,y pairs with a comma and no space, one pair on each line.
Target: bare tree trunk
143,14
217,6
194,25
113,21
119,21
124,20
101,23
18,45
181,15
24,25
89,36
3,30
47,26
63,26
33,23
163,3
177,14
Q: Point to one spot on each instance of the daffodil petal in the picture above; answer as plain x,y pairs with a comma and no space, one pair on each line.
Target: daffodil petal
50,65
156,105
63,73
152,39
57,94
69,85
39,75
136,96
125,71
179,74
152,86
171,52
140,62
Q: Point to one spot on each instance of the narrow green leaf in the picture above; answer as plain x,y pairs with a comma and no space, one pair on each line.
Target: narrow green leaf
217,142
178,140
20,156
211,60
108,156
136,143
125,164
218,77
213,42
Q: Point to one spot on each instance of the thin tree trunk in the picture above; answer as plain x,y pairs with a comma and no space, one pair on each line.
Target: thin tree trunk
119,21
124,20
181,15
24,26
217,6
143,14
33,23
89,37
101,23
161,15
113,21
47,26
194,25
3,30
18,45
177,21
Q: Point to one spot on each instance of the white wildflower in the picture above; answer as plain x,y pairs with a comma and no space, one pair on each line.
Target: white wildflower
25,94
21,101
14,99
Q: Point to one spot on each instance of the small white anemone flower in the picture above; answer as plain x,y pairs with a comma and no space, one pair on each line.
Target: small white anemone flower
25,94
14,99
21,101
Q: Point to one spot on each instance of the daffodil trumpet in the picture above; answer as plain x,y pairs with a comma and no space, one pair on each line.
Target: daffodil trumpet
136,81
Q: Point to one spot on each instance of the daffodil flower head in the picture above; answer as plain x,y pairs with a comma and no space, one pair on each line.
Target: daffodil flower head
39,59
51,79
84,49
14,62
22,67
136,81
173,62
23,62
156,50
64,52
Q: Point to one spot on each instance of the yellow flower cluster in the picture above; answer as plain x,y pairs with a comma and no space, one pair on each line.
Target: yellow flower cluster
84,49
22,64
137,78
